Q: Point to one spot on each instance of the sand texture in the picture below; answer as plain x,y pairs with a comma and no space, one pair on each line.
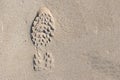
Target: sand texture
59,39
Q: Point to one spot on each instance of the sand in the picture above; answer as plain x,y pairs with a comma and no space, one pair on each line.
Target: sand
85,46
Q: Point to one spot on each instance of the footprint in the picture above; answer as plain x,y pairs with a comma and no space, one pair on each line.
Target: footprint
41,34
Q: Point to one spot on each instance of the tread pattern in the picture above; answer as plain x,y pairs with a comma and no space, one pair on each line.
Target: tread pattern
41,34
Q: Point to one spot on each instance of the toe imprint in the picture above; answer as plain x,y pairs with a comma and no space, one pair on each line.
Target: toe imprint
42,28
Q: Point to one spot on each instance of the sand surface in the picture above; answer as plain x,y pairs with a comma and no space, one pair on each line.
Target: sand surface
85,46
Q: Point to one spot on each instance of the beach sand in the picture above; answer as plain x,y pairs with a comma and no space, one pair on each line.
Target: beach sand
85,46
